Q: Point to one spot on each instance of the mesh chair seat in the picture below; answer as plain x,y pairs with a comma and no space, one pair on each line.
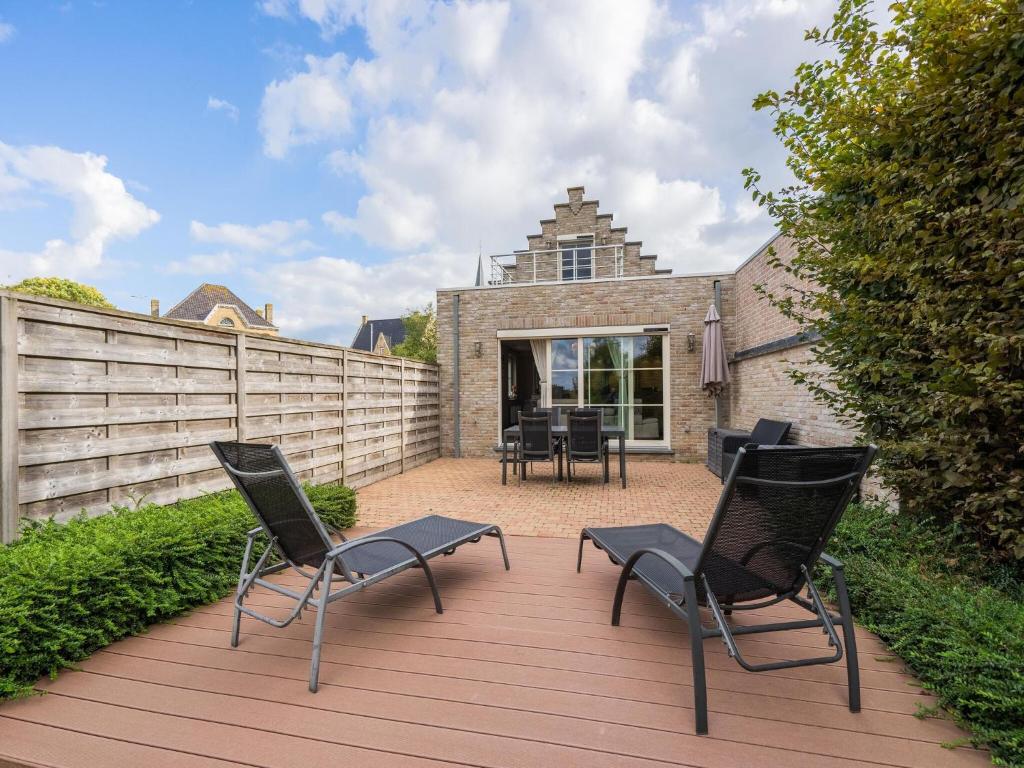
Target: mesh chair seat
621,543
429,535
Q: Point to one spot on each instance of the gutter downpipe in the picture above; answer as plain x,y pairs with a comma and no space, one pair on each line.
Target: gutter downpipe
457,447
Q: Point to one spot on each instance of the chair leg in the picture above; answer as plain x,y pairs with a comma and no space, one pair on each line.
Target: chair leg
504,552
850,638
318,632
700,689
579,557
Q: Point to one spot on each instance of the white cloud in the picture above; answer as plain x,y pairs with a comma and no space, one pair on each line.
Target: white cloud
6,31
204,264
102,209
325,296
277,236
220,105
308,107
477,116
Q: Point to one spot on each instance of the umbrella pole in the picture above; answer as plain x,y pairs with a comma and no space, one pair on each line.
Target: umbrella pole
716,411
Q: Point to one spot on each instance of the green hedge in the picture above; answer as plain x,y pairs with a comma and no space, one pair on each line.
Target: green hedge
69,589
957,621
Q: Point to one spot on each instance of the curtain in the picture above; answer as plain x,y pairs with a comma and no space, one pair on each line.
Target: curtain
539,347
620,357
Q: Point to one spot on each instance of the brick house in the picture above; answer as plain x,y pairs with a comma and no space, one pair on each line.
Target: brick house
218,305
379,336
582,317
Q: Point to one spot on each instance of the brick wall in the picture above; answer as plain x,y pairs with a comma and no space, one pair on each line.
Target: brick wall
680,301
580,217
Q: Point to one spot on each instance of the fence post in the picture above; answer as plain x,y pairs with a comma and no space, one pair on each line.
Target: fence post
8,419
401,416
344,408
241,359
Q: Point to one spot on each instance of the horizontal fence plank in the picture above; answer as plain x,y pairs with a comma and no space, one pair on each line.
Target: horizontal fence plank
53,453
120,353
48,382
85,417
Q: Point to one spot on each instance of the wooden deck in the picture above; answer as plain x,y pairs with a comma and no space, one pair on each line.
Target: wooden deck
523,669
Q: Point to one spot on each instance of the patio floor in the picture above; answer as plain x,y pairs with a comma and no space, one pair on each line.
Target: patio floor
522,669
683,495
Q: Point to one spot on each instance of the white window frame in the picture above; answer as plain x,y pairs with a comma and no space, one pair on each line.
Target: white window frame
593,257
550,334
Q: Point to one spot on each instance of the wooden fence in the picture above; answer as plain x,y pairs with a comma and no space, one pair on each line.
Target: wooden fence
102,407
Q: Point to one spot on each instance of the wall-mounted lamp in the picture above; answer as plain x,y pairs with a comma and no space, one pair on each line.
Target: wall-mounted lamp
478,349
691,342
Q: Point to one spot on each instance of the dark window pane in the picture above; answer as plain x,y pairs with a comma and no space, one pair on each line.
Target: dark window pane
647,351
583,264
648,387
567,265
605,387
604,352
564,354
612,417
565,387
649,423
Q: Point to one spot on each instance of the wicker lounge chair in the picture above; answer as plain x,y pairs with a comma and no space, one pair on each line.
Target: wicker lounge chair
299,540
775,515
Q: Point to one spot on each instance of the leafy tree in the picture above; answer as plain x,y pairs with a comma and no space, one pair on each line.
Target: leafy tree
908,151
62,288
420,341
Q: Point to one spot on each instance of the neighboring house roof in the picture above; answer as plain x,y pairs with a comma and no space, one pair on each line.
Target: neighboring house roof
366,337
198,305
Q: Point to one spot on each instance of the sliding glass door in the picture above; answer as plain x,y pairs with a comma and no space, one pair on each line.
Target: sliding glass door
624,376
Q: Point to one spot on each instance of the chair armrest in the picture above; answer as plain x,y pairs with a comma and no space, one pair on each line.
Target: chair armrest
673,561
254,533
831,562
347,546
732,443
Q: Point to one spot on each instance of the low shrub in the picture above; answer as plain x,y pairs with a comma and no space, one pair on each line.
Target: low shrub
69,589
957,620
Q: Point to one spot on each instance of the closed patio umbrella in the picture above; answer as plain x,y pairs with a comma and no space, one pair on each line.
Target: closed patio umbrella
714,369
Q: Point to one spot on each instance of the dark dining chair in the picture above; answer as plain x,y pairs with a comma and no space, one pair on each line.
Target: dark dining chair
537,443
585,443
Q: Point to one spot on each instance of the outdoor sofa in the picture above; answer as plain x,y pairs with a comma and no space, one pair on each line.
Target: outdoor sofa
724,443
774,517
296,538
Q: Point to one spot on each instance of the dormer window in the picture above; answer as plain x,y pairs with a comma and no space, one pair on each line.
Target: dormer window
577,257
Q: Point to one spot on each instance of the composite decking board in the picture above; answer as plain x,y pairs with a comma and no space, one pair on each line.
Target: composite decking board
586,676
521,697
480,688
498,653
532,634
480,735
31,744
549,641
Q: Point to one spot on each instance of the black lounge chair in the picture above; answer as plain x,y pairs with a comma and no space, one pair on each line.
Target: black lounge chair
299,540
775,515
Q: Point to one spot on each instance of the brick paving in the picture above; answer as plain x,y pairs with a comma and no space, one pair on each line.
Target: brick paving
683,495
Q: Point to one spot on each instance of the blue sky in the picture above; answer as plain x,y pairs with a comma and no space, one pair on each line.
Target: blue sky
340,158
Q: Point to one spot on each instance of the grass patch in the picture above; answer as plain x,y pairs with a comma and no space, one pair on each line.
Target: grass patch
69,589
956,620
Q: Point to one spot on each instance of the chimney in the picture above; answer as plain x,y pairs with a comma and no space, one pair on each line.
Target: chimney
268,313
259,312
154,307
365,318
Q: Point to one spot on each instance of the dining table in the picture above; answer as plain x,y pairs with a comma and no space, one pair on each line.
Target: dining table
561,432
